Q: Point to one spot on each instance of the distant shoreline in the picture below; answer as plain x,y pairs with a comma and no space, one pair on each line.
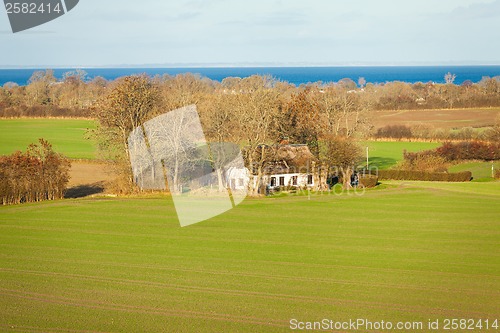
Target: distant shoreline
295,75
256,65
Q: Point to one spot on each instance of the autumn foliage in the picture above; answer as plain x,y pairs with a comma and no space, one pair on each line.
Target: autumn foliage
431,165
36,175
470,150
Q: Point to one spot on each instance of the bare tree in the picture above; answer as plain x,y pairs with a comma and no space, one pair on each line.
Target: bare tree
301,120
343,114
450,94
219,124
361,82
176,139
449,78
71,92
131,101
183,90
493,134
37,90
340,155
255,114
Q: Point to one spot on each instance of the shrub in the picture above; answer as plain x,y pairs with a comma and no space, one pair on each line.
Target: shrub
470,150
394,131
497,173
37,175
425,176
368,181
424,161
422,131
42,111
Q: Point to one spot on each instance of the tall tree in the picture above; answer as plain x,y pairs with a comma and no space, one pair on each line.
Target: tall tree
130,102
344,116
301,120
339,156
183,90
342,113
255,115
217,116
128,105
38,88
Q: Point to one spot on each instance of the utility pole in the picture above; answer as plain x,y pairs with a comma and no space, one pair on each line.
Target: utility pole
367,158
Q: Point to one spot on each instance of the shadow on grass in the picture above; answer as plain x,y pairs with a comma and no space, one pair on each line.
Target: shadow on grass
81,191
382,162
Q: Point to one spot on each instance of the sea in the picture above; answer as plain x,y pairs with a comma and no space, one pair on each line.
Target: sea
294,75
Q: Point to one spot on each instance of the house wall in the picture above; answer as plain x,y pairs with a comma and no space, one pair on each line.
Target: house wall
287,180
237,178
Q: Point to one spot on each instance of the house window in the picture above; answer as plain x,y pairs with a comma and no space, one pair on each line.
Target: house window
282,181
294,180
273,181
309,179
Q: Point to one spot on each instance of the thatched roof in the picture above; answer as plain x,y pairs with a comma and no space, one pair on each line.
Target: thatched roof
290,159
294,155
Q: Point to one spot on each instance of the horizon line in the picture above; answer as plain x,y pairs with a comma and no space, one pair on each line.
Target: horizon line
255,65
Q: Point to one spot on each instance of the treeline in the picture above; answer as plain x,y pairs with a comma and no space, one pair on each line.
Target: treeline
46,96
464,176
405,96
458,151
75,94
43,111
36,175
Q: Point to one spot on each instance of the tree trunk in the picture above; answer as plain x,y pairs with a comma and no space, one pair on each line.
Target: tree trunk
220,180
346,176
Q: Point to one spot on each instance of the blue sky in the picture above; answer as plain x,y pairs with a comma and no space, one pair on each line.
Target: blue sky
272,32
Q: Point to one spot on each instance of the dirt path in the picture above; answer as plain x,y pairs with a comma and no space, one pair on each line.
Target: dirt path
87,178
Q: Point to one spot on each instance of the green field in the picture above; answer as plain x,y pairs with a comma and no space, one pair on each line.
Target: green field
404,252
480,170
385,154
66,135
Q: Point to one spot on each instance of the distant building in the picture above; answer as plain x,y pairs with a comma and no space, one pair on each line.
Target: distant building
291,168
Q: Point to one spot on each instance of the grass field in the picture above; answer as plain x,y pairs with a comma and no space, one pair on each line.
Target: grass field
407,251
480,170
66,135
385,154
